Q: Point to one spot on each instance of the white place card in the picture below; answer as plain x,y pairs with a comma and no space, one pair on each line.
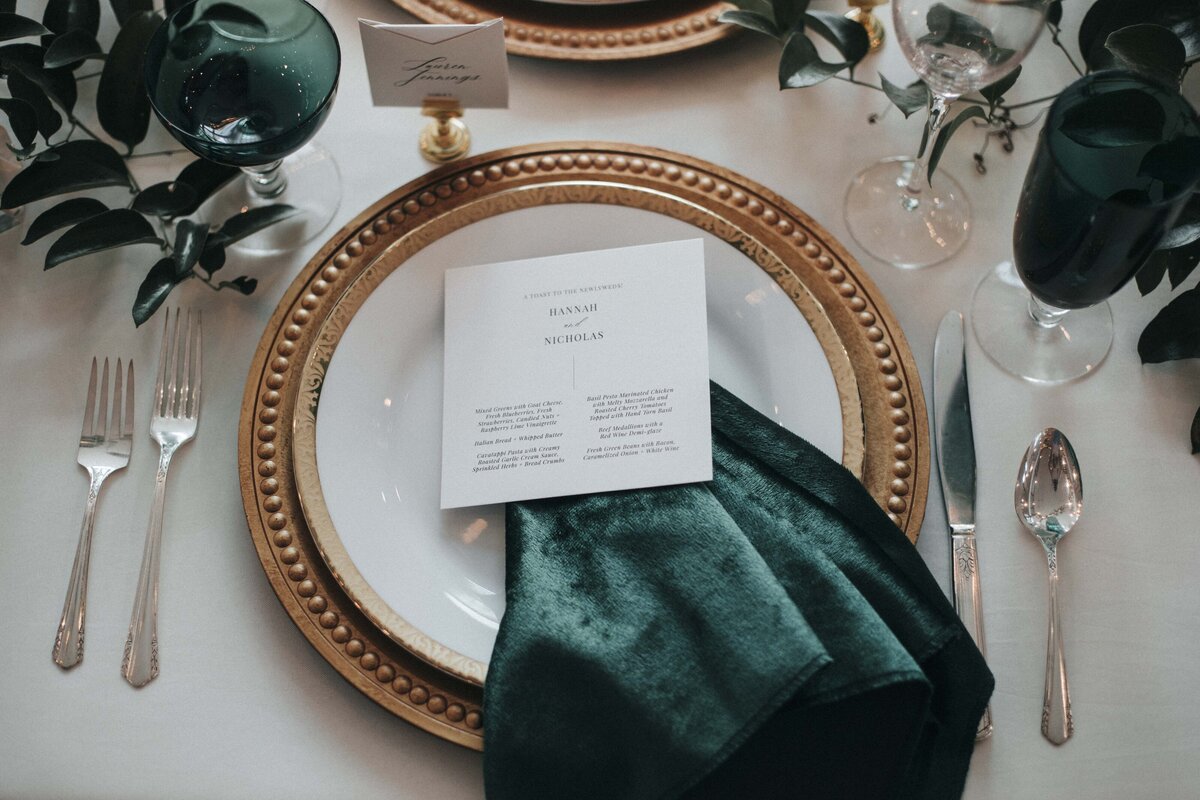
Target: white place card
576,374
408,63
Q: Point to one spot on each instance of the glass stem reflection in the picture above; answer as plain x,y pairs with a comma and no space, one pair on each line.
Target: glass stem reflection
266,180
916,181
1046,316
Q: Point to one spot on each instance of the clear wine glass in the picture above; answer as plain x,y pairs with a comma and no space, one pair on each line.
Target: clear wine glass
1107,181
248,84
955,46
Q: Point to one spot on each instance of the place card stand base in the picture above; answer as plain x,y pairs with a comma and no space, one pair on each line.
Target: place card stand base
446,137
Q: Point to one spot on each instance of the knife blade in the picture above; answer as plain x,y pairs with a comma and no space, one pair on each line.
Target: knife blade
955,443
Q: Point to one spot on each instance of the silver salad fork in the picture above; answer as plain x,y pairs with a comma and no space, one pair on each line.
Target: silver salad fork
104,446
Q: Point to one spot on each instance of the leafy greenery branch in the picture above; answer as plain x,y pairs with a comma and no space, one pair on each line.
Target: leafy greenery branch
38,63
1159,38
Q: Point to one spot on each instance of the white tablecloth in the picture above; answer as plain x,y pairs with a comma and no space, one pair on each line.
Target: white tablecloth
244,707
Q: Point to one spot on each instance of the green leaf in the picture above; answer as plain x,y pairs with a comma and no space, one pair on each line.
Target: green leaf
801,65
204,178
1107,16
62,16
14,26
157,284
994,92
58,84
1176,162
73,47
1149,49
117,227
124,9
1054,13
243,284
1187,227
1196,432
22,119
189,244
751,20
77,165
67,213
789,14
1115,119
1182,262
122,103
239,226
948,27
47,119
164,199
910,99
1175,332
849,37
1150,274
213,258
943,137
1177,264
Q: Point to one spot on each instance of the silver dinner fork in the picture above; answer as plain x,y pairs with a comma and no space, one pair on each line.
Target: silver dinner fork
104,446
176,412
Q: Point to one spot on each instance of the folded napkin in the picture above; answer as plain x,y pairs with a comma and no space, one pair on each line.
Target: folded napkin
768,634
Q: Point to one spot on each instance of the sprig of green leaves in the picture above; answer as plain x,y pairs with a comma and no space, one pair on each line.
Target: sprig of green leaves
40,76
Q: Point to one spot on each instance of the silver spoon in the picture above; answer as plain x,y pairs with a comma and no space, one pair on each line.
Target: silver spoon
1049,501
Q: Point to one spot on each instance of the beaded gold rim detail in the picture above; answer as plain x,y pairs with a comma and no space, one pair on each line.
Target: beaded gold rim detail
588,32
808,263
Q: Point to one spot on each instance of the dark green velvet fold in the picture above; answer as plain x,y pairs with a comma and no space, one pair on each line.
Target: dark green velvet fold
768,634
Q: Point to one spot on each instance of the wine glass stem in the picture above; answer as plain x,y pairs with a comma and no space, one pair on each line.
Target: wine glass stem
917,178
266,180
1046,316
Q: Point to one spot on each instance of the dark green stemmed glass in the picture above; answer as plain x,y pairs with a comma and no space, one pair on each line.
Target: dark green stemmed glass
1115,164
248,84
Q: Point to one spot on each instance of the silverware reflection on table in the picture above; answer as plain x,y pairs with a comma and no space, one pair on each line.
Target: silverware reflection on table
1049,501
956,469
104,446
175,415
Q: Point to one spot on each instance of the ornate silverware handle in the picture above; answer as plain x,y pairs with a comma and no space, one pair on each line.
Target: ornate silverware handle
68,644
968,601
140,665
1057,723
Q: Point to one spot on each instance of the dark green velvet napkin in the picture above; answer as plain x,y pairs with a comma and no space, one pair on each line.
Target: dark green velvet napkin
768,634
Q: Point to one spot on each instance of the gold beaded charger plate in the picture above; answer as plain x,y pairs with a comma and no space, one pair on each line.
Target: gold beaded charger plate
587,30
325,347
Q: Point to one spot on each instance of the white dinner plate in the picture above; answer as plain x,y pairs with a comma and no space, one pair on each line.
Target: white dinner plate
379,417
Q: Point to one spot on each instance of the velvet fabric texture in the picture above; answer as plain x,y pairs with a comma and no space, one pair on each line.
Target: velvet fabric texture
768,634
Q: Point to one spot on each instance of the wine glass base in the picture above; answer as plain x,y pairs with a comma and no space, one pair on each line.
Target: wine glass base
1009,336
314,186
886,222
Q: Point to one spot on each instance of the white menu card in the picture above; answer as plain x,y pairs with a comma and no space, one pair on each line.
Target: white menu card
575,374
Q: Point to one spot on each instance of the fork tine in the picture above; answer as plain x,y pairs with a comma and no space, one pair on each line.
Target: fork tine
102,416
184,372
112,431
198,373
160,378
127,423
89,411
172,399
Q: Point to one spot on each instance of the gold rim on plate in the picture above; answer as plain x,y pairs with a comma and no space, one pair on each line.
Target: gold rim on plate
885,432
606,32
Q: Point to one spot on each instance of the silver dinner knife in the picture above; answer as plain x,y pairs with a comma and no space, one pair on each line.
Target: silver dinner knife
956,469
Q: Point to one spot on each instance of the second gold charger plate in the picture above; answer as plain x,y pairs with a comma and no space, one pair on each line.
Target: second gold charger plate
497,202
587,32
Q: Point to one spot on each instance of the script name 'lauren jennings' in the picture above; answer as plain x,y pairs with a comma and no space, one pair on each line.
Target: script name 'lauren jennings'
568,338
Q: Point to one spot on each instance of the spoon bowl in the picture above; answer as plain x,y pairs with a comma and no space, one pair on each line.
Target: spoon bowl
1049,501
